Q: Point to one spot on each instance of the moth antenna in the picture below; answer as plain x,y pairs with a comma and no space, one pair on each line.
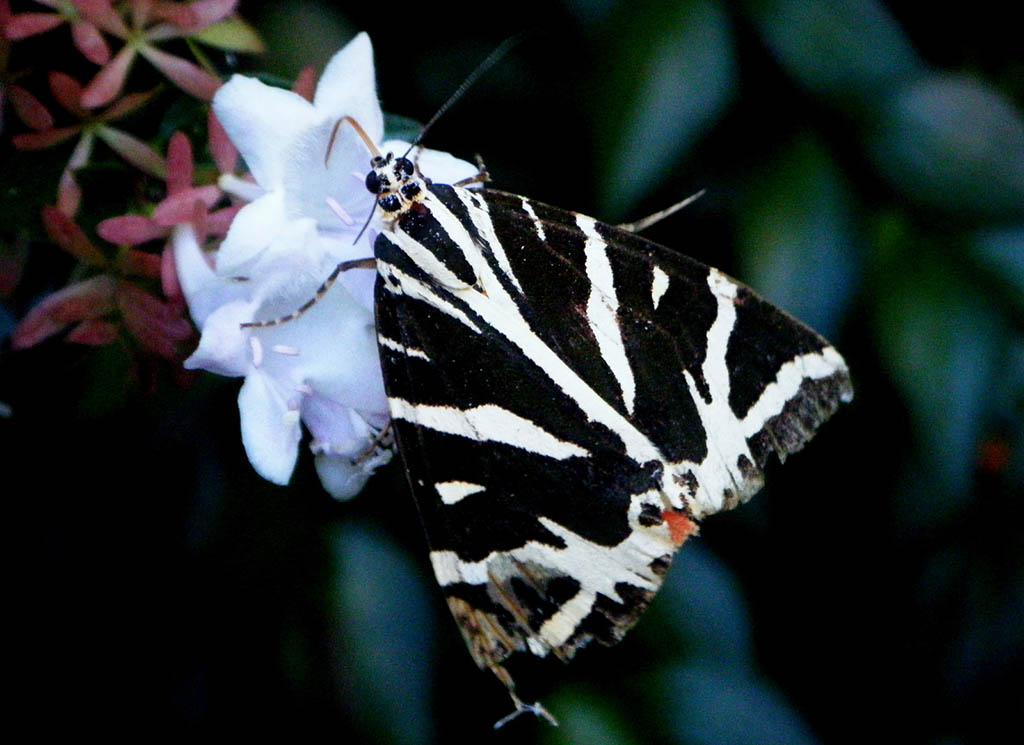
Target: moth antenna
331,279
646,222
489,61
359,131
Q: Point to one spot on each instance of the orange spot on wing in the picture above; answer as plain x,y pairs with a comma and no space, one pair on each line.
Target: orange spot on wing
679,525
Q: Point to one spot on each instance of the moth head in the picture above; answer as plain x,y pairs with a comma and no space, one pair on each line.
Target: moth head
394,182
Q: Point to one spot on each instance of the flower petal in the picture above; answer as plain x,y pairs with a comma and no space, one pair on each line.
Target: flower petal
224,346
270,428
250,233
317,168
261,121
204,290
349,87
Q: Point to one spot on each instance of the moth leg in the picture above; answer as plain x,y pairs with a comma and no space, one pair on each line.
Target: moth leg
482,176
646,222
321,291
537,709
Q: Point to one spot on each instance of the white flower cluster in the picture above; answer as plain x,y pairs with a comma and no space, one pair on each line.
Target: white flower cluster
305,210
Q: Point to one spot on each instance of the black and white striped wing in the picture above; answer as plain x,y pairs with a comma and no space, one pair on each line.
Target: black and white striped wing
569,401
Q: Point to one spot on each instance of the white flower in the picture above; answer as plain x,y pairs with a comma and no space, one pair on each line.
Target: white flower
307,206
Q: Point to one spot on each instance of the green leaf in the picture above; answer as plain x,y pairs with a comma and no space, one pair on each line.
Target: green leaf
384,636
953,143
708,706
585,716
706,608
944,345
1001,252
232,34
846,51
674,73
796,235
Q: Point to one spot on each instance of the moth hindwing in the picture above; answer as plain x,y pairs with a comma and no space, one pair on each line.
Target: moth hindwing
570,400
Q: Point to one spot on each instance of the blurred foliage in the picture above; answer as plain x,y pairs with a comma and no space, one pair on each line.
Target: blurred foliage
864,167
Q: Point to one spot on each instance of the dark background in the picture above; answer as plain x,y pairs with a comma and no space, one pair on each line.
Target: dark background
864,168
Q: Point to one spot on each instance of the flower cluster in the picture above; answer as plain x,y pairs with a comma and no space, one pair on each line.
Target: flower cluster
308,206
236,248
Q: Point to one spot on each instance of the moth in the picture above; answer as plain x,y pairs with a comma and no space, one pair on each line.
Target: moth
570,401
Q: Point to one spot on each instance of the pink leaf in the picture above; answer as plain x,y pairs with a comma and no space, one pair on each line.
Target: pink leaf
141,10
211,11
180,15
127,104
29,109
179,163
129,230
135,151
68,92
109,80
305,83
90,42
21,25
182,73
169,282
12,264
155,324
46,138
69,193
93,332
139,263
218,222
102,13
65,233
178,208
221,148
92,298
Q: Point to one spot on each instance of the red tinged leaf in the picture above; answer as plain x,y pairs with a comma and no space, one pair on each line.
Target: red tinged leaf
91,299
224,153
29,109
65,233
21,25
129,230
90,42
107,83
183,73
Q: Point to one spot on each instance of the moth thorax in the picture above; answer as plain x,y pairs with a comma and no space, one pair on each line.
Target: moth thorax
394,182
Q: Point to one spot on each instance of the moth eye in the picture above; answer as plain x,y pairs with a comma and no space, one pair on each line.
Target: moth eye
373,182
403,167
390,203
410,190
377,161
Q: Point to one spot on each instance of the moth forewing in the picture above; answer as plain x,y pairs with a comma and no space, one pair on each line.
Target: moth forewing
569,400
